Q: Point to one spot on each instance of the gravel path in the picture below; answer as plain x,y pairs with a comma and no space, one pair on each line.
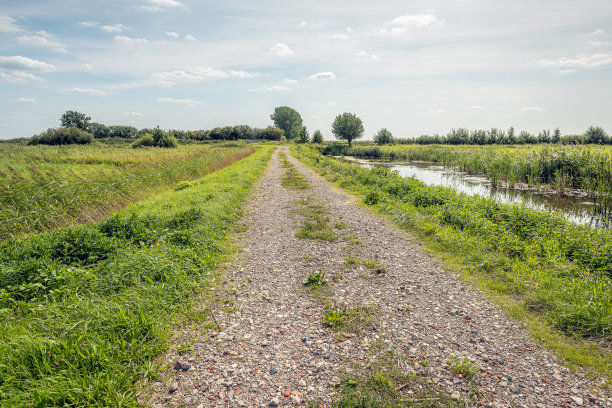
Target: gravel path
273,350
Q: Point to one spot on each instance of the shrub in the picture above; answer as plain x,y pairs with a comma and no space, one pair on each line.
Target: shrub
62,136
383,136
317,137
144,141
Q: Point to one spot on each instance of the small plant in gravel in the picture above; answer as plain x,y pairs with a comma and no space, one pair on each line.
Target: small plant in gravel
341,225
372,264
334,317
315,280
343,318
352,238
351,262
294,180
184,348
464,366
384,382
316,221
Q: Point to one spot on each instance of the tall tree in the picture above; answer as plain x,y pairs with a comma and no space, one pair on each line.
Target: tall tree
384,136
304,136
75,119
317,137
347,127
289,120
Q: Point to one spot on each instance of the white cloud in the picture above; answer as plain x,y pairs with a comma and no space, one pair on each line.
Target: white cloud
87,66
7,25
166,3
18,77
43,40
172,34
117,28
19,63
581,61
152,9
363,54
599,31
475,108
155,6
281,50
24,100
197,74
405,22
322,76
90,23
290,81
435,111
189,37
271,88
121,39
189,102
83,91
133,114
532,109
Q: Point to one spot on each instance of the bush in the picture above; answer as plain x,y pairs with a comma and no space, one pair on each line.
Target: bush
383,137
124,132
317,137
62,136
144,141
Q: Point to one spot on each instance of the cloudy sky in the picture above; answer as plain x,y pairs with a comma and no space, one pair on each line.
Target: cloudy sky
415,67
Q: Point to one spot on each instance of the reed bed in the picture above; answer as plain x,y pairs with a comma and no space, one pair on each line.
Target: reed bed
47,187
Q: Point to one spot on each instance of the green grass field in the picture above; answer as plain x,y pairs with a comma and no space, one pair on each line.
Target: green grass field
46,187
553,275
85,310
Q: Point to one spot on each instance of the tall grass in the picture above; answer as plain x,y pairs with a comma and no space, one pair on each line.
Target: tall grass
84,310
46,187
562,168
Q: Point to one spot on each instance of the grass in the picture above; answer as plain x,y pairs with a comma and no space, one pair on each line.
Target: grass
292,179
387,382
550,274
315,280
342,318
85,310
47,187
461,365
315,224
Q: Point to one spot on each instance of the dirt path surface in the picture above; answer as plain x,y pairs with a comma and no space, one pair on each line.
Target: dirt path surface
272,349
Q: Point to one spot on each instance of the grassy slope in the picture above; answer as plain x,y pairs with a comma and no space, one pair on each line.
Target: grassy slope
546,272
83,311
46,187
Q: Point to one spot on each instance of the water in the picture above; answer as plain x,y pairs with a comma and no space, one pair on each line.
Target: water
580,210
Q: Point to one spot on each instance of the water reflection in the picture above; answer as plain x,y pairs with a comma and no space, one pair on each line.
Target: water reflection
578,210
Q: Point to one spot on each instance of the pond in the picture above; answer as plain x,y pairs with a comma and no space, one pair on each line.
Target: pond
580,210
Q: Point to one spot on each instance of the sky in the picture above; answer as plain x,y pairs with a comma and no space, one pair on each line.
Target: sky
413,67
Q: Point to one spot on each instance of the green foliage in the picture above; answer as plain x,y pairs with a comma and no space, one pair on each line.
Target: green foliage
316,221
464,366
383,136
372,198
595,134
317,137
145,140
98,130
62,136
315,280
158,138
347,126
289,120
86,310
75,119
304,136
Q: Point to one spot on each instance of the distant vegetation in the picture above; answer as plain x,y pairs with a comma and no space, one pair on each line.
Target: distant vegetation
461,136
289,120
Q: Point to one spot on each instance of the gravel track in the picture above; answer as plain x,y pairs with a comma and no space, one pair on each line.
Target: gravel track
271,348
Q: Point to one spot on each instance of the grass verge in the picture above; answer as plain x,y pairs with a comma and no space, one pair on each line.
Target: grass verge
84,310
552,275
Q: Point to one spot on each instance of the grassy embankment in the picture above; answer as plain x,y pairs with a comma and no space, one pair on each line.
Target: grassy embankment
560,168
547,272
46,187
84,310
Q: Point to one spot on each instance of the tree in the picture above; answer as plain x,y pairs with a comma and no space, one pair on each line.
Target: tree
317,137
98,130
75,119
383,136
595,134
556,136
347,127
304,136
289,120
